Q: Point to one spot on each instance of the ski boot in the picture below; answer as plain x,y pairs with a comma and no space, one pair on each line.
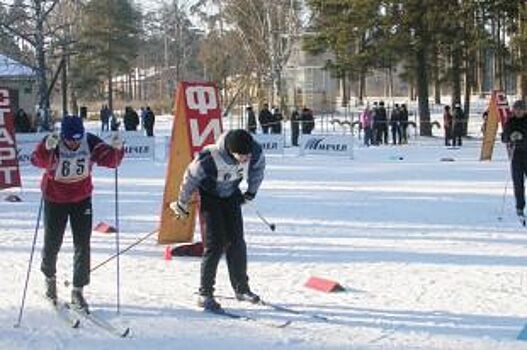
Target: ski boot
78,301
248,296
521,216
51,289
208,303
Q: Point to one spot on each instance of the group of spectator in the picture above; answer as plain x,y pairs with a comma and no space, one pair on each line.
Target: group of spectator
271,122
453,124
131,120
375,123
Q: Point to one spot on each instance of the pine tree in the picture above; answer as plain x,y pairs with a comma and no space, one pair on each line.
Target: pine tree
108,43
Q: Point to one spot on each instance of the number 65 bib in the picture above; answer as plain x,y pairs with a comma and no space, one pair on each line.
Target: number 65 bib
73,166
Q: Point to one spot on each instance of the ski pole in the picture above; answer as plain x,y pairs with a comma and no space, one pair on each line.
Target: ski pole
117,234
102,263
271,226
35,235
502,208
28,273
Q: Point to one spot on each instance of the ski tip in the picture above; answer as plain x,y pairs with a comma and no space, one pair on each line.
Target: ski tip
125,333
285,324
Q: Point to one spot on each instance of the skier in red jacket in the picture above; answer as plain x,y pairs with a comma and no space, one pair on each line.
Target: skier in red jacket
67,159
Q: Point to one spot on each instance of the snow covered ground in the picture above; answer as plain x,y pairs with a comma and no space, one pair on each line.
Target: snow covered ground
415,241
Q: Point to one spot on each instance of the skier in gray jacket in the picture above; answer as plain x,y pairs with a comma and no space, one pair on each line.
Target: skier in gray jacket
216,172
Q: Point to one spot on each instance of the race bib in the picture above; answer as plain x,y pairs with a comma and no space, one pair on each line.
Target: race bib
73,166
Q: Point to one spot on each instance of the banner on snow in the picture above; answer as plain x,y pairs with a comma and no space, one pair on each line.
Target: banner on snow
197,123
136,145
9,170
497,112
326,144
271,143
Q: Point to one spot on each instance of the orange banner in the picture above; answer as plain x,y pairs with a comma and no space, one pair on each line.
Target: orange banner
498,111
9,171
197,123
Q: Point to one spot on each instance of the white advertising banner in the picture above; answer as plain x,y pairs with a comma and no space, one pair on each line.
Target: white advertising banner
271,143
136,145
327,144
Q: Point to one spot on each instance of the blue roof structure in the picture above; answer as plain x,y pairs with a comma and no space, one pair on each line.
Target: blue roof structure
11,68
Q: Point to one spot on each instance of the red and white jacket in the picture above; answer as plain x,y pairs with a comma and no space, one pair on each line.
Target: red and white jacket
67,176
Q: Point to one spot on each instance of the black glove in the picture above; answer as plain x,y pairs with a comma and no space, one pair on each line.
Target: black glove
516,137
248,196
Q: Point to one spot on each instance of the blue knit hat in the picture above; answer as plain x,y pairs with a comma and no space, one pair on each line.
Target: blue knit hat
72,128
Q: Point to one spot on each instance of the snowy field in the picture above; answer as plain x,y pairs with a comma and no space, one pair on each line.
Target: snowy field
415,241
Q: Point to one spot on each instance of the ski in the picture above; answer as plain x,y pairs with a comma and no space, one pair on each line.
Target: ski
283,309
236,316
293,311
64,313
99,322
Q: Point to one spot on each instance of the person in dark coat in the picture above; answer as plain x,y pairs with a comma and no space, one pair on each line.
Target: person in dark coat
105,115
130,119
150,120
220,208
458,124
395,124
404,123
295,126
251,120
448,120
515,135
308,121
276,125
382,124
22,122
265,118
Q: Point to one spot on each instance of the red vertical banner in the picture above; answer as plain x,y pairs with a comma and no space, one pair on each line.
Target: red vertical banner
497,112
9,170
197,123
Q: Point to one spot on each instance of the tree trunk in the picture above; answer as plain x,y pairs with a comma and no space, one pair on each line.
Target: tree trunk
422,92
45,123
456,74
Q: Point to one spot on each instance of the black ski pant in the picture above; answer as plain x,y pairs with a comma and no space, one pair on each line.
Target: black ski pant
223,232
519,171
55,219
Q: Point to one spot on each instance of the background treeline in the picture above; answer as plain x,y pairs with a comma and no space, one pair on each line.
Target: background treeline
121,52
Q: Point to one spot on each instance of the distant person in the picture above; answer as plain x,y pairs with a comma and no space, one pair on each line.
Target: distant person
150,120
395,124
458,125
22,122
251,120
404,123
276,125
308,121
130,119
114,122
295,126
515,135
448,121
104,116
265,118
382,122
366,122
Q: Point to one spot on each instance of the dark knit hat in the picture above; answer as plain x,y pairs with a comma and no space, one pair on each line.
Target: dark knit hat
72,128
238,141
518,105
